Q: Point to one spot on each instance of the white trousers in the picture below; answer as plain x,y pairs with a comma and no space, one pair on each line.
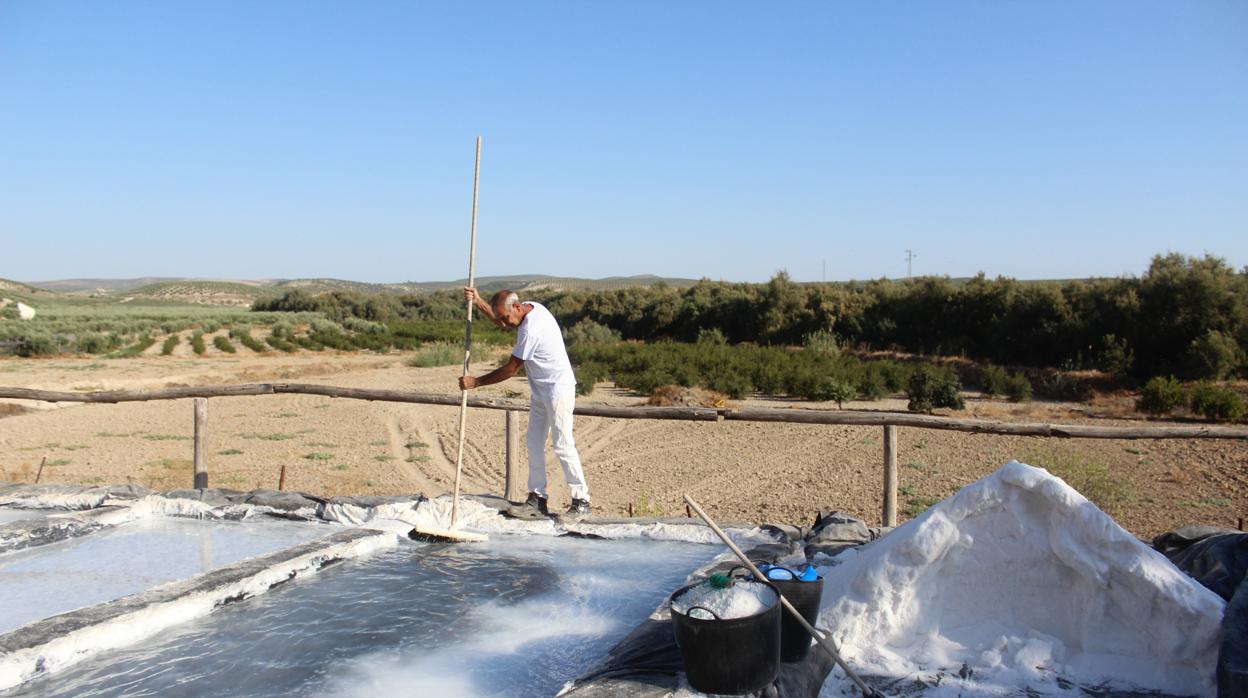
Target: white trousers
551,415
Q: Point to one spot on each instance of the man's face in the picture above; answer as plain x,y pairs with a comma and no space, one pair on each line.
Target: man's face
509,314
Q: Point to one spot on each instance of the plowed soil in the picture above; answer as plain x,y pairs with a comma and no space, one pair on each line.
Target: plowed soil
737,470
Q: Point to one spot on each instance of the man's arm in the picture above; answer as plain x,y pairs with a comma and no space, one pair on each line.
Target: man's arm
498,375
471,294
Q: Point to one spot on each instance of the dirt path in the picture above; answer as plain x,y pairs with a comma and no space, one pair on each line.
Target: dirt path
739,470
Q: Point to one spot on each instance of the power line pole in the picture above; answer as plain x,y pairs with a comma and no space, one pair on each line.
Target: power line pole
910,255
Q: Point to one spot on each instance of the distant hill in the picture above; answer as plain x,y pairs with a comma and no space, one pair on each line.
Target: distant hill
245,292
7,285
92,285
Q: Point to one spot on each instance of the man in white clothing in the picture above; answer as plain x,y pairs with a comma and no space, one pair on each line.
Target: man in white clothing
539,348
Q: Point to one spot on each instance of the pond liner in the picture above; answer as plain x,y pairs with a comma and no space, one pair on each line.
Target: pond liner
19,535
647,663
1218,559
54,643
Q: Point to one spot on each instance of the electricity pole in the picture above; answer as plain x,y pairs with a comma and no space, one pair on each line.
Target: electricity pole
910,255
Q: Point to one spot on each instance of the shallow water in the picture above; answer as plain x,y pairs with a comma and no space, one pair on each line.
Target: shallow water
9,514
517,616
48,580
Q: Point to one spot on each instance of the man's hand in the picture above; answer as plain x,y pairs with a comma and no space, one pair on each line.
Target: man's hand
467,383
470,294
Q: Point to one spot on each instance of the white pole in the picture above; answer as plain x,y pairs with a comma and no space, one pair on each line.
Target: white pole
463,394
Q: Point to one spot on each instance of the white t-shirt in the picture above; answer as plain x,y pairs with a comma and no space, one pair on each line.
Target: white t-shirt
539,343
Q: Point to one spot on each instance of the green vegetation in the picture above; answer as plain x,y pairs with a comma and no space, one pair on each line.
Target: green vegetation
267,437
1161,396
170,343
166,437
230,452
993,380
647,506
222,343
734,370
438,354
319,456
930,387
1018,388
243,334
197,343
1216,403
1092,478
135,349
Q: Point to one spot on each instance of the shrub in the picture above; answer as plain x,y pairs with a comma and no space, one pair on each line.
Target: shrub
587,374
995,380
35,345
243,334
281,344
931,387
356,324
1018,388
222,343
283,330
590,332
1116,358
170,342
93,343
1216,403
437,354
839,390
871,384
1161,395
1214,355
197,343
712,335
137,348
822,342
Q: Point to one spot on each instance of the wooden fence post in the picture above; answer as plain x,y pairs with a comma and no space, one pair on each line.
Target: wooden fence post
201,436
890,475
514,488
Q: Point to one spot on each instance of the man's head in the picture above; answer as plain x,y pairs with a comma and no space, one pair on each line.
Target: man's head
507,308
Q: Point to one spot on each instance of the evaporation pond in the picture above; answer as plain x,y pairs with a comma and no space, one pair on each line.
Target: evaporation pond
48,580
9,514
517,616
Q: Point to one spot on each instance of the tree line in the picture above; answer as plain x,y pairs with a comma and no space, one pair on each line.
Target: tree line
1185,316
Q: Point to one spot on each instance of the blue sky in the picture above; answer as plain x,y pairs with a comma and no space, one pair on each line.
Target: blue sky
721,140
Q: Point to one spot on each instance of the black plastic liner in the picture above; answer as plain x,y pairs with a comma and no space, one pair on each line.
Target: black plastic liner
1218,559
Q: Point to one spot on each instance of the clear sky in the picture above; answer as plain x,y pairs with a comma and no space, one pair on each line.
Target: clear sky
725,140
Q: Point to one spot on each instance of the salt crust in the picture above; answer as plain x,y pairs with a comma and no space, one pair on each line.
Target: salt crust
1022,580
741,600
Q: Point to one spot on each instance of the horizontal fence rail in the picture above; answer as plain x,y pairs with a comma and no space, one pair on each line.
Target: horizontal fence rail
708,414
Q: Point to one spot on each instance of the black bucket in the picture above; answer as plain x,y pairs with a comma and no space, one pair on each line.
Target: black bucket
805,597
730,656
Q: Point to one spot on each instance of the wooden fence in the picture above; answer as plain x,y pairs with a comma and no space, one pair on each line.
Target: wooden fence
890,421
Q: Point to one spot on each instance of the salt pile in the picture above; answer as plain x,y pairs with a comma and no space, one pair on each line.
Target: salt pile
1018,583
740,600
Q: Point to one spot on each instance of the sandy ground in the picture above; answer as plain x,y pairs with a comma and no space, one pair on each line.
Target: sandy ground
738,470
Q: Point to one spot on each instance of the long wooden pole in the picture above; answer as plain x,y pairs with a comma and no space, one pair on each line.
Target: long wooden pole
708,414
824,642
200,480
890,475
463,394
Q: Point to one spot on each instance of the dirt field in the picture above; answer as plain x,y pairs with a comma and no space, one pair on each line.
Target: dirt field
740,471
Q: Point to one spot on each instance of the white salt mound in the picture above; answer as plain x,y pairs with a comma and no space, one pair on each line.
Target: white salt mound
1023,580
741,600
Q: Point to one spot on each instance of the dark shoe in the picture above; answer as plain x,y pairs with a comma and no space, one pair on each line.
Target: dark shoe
580,507
534,507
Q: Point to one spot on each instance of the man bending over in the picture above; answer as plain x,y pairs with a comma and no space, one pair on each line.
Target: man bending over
539,348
